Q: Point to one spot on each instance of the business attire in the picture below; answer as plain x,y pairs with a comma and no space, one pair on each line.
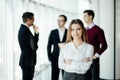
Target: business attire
56,36
96,38
77,69
28,45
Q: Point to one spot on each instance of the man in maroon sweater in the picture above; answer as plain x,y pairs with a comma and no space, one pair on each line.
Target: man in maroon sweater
96,37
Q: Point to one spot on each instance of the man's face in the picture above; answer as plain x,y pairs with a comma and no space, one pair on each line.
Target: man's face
31,21
61,21
87,18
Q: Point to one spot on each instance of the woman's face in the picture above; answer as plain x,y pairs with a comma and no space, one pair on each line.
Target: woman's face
76,31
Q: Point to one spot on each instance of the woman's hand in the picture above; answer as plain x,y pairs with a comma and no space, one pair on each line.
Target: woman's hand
87,59
68,61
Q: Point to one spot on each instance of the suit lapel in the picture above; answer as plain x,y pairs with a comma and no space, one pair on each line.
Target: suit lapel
64,37
57,35
27,29
31,39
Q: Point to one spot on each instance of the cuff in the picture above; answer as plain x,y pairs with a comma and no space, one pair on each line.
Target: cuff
97,55
36,32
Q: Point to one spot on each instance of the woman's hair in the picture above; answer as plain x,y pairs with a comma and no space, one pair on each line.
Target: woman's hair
84,35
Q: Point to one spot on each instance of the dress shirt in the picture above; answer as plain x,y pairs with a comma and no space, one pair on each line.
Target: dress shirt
61,34
25,25
69,51
89,27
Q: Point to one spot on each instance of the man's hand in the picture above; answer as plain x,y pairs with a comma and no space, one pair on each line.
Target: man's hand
61,44
94,57
35,28
68,61
87,59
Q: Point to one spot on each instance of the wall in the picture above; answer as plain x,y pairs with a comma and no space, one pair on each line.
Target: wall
104,10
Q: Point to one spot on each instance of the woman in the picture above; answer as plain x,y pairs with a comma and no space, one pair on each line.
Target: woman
76,54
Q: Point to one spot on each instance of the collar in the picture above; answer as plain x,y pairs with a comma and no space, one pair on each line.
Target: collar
25,25
78,46
91,25
61,30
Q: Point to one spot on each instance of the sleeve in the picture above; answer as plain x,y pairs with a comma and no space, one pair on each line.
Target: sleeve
102,40
61,63
97,55
49,46
36,38
84,66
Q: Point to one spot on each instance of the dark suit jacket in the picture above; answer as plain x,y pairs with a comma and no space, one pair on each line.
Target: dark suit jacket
28,45
54,40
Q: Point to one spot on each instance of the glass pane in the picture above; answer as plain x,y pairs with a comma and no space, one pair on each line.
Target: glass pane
2,61
117,39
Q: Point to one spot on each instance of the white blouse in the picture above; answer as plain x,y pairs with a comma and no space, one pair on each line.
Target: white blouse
69,51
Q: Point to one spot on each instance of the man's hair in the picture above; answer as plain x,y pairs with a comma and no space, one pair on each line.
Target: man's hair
27,15
65,18
90,12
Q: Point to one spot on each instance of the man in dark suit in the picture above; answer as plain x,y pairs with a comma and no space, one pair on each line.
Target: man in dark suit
56,36
96,37
28,44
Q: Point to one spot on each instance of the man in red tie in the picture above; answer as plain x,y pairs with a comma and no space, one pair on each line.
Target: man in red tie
96,37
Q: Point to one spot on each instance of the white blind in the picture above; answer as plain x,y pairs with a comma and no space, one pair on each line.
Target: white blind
117,39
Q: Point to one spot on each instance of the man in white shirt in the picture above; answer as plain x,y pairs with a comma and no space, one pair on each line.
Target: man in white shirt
56,36
28,45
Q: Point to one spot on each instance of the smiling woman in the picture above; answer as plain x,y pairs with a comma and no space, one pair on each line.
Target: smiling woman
76,55
46,14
